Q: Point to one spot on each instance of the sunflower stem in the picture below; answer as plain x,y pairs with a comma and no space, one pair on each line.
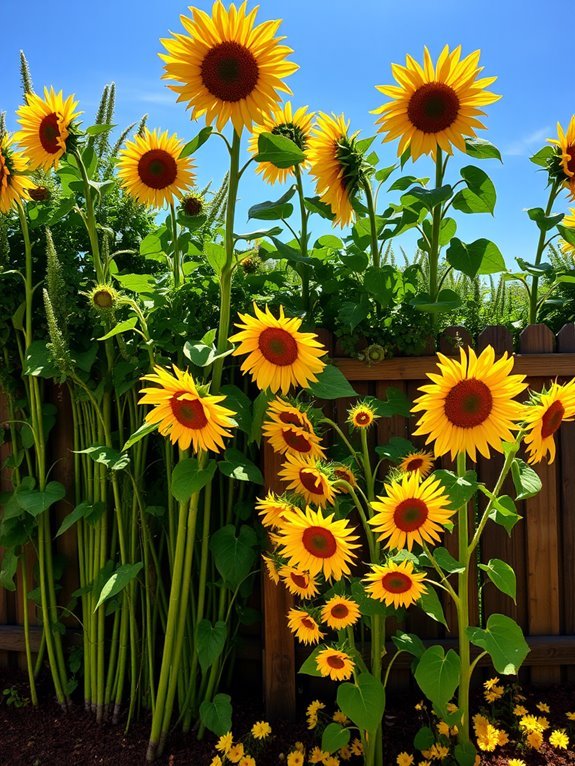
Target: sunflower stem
303,241
435,229
176,262
369,477
541,244
463,610
372,223
90,219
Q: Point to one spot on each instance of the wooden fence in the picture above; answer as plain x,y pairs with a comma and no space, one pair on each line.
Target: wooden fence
541,548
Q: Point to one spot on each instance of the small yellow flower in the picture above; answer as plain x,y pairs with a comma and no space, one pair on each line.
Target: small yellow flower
529,723
542,707
315,707
493,694
424,763
490,683
340,717
443,728
558,738
515,762
295,758
570,716
345,753
261,729
248,760
520,710
357,747
216,761
404,759
451,707
331,760
317,755
535,739
235,753
225,742
543,722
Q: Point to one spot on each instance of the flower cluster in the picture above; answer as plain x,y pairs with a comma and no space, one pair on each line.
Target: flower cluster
241,751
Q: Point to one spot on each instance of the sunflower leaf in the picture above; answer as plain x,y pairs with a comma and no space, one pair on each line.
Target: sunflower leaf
331,384
502,576
479,257
188,478
334,737
527,482
193,145
429,602
437,674
504,513
278,150
503,639
482,149
460,489
217,714
446,301
363,702
273,211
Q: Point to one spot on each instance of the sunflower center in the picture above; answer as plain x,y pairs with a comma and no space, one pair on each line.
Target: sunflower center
278,346
552,419
308,623
335,662
295,441
300,580
396,582
311,481
230,71
571,161
410,514
339,611
319,542
362,418
414,464
433,107
468,404
157,169
291,131
192,206
293,419
189,413
49,133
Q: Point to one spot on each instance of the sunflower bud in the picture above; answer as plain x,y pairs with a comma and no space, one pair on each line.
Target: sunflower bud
104,298
192,205
40,194
250,264
373,353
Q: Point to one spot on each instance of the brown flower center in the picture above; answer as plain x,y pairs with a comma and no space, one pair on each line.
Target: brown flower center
339,611
40,194
189,413
319,542
103,299
293,418
308,623
362,418
192,206
278,346
295,441
410,514
335,661
552,419
414,464
571,161
312,481
433,107
396,582
157,169
230,71
49,133
300,580
468,404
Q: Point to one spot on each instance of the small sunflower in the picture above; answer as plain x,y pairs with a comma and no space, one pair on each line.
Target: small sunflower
301,584
361,415
46,127
225,742
569,222
396,584
282,121
151,169
15,186
272,569
317,543
412,512
565,143
435,106
469,406
288,438
544,417
279,355
342,472
304,627
272,510
104,297
337,165
192,205
420,462
185,414
340,612
261,730
310,479
290,414
226,67
335,664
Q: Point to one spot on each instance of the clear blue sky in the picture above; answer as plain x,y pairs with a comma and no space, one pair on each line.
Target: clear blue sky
343,48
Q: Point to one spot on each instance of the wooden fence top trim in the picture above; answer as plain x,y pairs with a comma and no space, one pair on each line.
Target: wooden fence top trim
416,367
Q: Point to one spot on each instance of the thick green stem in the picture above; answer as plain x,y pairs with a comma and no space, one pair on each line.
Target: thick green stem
372,223
369,477
533,298
29,665
176,257
90,220
435,230
303,241
463,611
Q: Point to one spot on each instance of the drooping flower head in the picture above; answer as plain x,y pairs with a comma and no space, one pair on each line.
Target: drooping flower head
15,186
290,432
151,169
298,582
279,355
46,127
469,407
435,105
335,664
309,478
420,463
337,165
565,143
396,584
340,612
543,417
283,121
411,512
186,414
226,67
304,626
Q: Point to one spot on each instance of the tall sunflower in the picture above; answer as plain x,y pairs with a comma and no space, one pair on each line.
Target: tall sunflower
184,413
337,165
396,584
469,406
435,106
419,462
412,512
543,417
288,438
309,478
316,543
15,185
279,355
226,67
282,121
335,664
565,143
151,169
569,221
46,127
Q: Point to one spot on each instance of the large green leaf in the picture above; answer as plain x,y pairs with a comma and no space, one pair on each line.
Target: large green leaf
38,360
482,149
238,466
279,150
217,715
273,211
446,300
363,702
118,581
504,513
36,501
437,674
502,576
211,640
108,456
410,643
309,666
479,257
234,555
459,488
503,639
431,605
396,403
188,478
527,482
198,140
479,196
331,384
334,737
430,198
544,222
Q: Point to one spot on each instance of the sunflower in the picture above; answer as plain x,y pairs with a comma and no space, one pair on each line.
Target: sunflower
151,169
226,67
335,664
396,584
469,406
184,413
343,472
46,127
272,569
308,477
304,627
565,143
361,415
290,414
192,205
420,462
435,106
272,510
261,730
287,438
282,121
15,186
103,297
544,416
340,612
412,512
279,355
317,543
569,222
337,165
301,584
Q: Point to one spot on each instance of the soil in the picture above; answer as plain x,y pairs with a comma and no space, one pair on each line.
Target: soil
46,736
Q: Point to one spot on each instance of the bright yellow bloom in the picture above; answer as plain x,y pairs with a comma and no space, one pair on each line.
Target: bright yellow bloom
490,683
357,746
151,170
14,184
412,512
335,664
535,740
295,758
395,584
435,106
515,762
285,433
299,583
314,707
317,755
543,707
340,717
310,479
559,739
493,694
565,143
261,729
420,463
340,612
216,761
569,222
530,723
45,130
487,735
570,716
279,355
272,510
519,710
225,742
235,753
226,67
544,417
443,728
404,759
361,415
304,627
469,406
184,414
247,760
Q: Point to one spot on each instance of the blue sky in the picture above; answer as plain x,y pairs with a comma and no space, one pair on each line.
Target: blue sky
343,49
